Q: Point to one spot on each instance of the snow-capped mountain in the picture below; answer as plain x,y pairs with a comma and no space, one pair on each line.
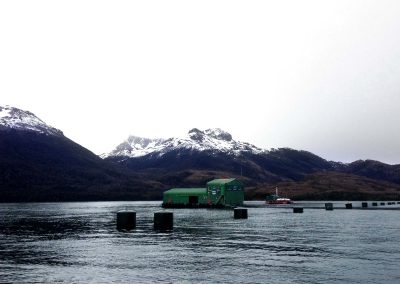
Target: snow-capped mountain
14,118
215,140
38,163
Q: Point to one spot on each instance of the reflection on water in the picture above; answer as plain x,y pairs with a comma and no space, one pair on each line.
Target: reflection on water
78,242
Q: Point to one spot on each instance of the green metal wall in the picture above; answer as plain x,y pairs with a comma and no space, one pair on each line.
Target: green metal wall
182,196
234,198
228,192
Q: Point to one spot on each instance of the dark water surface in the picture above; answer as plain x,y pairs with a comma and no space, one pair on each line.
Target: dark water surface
78,243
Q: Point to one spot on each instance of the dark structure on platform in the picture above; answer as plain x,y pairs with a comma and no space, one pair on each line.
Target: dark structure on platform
329,206
219,193
349,206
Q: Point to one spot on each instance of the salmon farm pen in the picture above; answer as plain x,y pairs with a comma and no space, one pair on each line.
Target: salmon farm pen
219,193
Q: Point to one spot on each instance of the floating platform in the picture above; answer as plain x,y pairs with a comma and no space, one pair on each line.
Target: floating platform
192,205
321,205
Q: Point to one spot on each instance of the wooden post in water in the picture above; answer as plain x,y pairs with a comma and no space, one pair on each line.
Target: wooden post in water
126,220
240,213
163,221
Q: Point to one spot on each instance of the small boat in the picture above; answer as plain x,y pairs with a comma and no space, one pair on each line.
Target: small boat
276,199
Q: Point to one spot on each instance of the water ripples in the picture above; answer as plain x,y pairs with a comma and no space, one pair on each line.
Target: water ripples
78,243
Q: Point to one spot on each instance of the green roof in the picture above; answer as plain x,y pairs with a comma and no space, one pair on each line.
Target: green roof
221,180
186,191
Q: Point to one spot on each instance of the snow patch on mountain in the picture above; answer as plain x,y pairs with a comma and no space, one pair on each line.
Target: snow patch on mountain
215,140
14,118
135,147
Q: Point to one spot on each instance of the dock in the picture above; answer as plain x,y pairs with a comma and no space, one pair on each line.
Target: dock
356,205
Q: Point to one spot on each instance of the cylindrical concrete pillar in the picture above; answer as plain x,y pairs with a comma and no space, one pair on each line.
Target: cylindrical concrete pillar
163,221
126,220
329,206
240,213
297,210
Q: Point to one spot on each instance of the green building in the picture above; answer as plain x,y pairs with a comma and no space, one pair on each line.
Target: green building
218,193
228,192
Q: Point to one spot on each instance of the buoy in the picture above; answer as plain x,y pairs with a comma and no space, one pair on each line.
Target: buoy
126,220
329,206
297,210
240,213
364,204
349,206
374,204
163,221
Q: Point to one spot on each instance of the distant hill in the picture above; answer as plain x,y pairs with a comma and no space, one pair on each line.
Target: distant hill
372,169
331,186
203,155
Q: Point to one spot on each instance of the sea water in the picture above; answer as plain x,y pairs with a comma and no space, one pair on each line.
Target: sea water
79,243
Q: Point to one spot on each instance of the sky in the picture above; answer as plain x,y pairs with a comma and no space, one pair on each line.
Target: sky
321,76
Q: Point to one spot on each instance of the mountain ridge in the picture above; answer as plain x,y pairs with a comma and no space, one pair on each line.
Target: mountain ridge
214,139
14,118
261,167
38,163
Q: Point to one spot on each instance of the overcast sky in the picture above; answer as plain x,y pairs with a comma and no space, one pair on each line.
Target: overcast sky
322,76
